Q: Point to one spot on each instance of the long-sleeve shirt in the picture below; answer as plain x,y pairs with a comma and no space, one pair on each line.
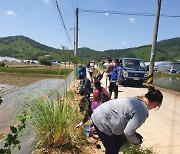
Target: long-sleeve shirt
97,92
115,74
121,116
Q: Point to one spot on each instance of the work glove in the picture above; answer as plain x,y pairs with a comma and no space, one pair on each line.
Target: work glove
139,137
79,125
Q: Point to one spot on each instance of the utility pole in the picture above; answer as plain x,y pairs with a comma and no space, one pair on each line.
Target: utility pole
76,40
76,33
153,49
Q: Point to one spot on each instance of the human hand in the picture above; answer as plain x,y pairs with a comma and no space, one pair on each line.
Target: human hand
117,83
79,125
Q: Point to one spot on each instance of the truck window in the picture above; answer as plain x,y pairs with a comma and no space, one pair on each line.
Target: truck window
134,63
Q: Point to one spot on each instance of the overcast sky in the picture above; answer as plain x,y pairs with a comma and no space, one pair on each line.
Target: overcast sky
39,20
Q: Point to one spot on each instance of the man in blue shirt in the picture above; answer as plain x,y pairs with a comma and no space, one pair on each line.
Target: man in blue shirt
114,79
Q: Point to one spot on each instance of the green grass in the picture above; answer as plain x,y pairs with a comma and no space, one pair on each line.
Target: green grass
137,149
53,71
54,123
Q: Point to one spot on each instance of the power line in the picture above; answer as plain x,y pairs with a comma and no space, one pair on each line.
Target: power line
73,5
61,18
127,13
63,12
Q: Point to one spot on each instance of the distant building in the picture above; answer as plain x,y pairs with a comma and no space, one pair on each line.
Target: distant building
11,59
165,66
30,61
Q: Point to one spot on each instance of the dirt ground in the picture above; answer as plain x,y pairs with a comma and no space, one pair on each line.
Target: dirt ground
18,79
92,142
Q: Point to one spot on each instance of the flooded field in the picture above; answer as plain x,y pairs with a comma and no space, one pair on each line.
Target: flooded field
172,83
17,91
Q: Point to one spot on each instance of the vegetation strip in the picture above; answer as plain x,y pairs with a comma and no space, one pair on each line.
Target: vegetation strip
36,70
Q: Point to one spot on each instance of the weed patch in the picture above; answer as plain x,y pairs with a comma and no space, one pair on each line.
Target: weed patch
54,123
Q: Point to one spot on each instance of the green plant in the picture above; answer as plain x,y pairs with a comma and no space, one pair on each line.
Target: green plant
70,95
53,71
45,61
54,123
2,64
137,149
12,141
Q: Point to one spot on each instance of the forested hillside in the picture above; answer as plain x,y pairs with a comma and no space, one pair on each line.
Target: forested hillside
22,47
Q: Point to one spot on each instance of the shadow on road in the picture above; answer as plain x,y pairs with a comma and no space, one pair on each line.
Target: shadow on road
134,86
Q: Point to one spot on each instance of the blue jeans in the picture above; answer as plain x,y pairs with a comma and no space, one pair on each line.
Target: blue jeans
112,143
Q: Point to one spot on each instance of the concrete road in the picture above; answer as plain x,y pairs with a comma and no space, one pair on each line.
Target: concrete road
162,128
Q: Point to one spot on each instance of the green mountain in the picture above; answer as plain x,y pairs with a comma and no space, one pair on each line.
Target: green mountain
22,47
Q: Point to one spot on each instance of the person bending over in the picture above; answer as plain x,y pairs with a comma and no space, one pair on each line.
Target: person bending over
121,117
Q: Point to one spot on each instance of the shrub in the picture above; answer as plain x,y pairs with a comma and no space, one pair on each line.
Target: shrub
45,61
12,140
2,64
54,123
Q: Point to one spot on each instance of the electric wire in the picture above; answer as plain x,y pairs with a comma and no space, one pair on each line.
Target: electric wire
128,13
65,16
73,5
62,20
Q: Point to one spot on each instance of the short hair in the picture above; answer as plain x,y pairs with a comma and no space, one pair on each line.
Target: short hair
109,60
102,98
97,84
154,95
116,60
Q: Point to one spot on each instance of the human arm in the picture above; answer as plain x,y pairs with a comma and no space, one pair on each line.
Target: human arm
85,119
95,95
109,68
130,130
118,74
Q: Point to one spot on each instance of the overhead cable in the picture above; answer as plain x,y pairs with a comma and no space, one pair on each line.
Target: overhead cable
61,18
127,13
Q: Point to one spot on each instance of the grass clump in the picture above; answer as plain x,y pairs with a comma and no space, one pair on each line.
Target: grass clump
54,123
137,149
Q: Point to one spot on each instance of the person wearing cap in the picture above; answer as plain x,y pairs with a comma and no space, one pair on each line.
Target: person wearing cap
118,119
